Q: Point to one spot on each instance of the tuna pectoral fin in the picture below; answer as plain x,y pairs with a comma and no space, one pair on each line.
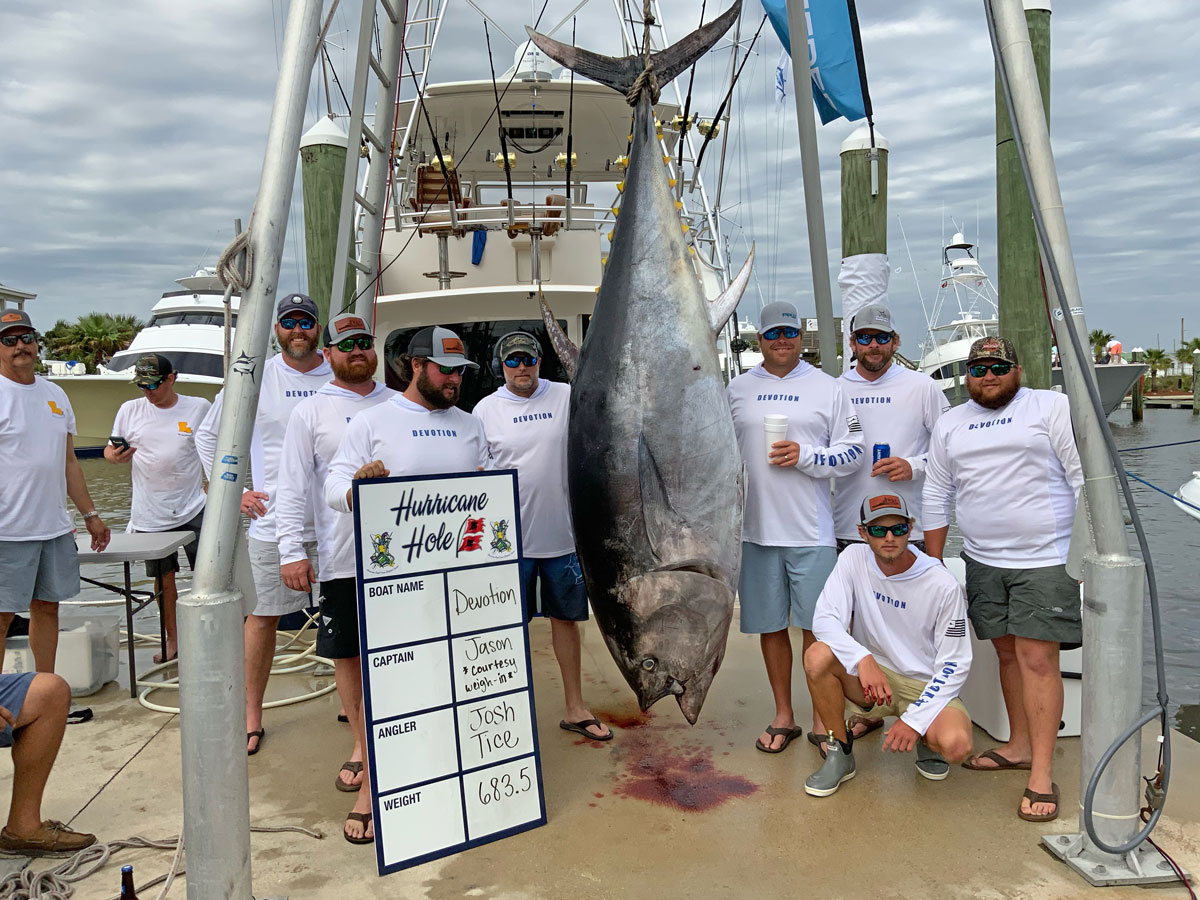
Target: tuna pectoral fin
620,74
659,516
720,309
568,353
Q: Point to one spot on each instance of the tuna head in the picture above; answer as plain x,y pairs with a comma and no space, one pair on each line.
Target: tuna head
676,642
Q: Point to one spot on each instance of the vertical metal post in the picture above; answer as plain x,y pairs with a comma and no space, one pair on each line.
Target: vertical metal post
212,689
443,239
1195,383
814,209
1138,399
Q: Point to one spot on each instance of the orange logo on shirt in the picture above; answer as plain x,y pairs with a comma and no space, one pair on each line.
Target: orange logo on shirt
54,408
183,428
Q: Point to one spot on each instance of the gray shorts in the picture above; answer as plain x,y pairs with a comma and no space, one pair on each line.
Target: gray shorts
274,597
1039,603
42,570
170,563
779,586
13,689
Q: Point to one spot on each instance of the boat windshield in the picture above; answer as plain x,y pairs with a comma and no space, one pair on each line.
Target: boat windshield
185,362
192,318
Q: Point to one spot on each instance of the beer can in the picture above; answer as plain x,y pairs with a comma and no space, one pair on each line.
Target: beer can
880,451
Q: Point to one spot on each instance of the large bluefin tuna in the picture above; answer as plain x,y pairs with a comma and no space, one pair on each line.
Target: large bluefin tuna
653,468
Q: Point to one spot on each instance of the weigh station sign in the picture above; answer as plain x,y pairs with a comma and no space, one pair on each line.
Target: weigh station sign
451,733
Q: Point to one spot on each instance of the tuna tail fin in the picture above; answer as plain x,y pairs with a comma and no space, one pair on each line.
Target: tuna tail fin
621,73
568,353
720,309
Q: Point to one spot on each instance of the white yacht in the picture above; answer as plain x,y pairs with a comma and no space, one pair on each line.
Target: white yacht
187,326
1189,494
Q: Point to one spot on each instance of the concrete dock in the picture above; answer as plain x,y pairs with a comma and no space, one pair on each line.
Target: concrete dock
664,810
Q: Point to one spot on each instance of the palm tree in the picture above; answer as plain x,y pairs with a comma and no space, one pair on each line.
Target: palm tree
1185,358
1158,361
1098,339
93,339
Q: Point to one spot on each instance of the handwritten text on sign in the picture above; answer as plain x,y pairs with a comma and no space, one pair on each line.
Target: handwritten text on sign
450,719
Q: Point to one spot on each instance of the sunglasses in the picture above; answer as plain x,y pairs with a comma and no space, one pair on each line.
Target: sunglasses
152,385
291,322
10,340
362,342
864,340
521,360
878,531
997,368
787,331
449,370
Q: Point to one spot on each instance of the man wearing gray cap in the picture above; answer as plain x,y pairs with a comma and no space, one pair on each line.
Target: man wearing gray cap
526,425
38,562
156,434
787,533
298,372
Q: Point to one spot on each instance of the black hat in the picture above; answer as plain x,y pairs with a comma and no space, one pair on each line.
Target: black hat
297,303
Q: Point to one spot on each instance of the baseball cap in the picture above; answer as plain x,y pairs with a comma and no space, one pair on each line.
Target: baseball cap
875,317
775,314
441,346
347,325
882,505
297,303
517,342
993,348
15,318
151,367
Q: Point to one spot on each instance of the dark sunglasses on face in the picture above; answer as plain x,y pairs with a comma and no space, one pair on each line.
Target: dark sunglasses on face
291,322
864,340
362,342
998,368
521,360
450,370
787,331
10,340
878,531
153,385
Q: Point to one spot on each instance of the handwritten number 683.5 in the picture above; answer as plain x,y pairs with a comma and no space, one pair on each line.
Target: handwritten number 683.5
502,786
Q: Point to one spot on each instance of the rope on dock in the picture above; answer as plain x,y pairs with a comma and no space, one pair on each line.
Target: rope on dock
1174,497
1157,446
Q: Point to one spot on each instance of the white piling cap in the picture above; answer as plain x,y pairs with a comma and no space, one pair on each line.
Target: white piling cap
860,139
326,132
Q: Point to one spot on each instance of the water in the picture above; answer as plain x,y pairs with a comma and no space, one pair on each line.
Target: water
1174,544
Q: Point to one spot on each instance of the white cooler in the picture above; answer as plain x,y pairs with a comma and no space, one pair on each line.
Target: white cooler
87,658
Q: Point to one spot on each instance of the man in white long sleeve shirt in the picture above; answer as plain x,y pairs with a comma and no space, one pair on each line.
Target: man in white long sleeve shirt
787,533
313,436
891,628
526,425
298,372
1007,462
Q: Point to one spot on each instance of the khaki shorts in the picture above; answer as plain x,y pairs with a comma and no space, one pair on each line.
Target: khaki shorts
905,692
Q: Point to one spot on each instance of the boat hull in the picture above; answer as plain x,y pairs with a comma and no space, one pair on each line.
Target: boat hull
1114,382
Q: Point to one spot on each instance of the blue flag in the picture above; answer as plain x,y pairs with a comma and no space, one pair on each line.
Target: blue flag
831,58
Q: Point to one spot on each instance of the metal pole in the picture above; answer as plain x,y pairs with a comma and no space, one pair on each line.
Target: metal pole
1112,580
1195,383
1138,399
814,209
212,690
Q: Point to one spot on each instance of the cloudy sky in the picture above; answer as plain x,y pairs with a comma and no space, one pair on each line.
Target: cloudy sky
133,133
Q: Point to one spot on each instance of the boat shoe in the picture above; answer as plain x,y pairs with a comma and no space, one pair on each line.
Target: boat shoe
51,839
930,763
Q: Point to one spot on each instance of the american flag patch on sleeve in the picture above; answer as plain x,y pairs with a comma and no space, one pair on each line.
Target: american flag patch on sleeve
958,628
853,424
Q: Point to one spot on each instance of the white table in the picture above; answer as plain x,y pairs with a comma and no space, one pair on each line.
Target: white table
126,549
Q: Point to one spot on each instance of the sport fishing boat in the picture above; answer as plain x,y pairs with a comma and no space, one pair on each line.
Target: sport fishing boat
967,294
1189,494
187,326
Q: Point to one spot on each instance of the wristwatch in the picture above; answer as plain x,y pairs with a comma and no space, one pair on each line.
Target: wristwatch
88,515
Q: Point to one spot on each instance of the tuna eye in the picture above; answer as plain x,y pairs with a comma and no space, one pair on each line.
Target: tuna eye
649,663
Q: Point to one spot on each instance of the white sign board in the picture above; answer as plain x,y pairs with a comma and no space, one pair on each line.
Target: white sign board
451,731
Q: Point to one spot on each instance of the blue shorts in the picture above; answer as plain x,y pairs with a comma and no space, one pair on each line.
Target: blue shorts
42,570
563,596
13,689
779,586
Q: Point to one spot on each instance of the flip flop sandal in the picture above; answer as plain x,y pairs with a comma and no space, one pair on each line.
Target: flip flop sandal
582,728
819,741
354,768
789,735
261,734
343,718
856,720
365,818
1034,797
1002,763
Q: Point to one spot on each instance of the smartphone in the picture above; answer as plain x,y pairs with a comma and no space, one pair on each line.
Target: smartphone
119,442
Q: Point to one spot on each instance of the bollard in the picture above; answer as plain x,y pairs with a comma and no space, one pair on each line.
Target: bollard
1138,399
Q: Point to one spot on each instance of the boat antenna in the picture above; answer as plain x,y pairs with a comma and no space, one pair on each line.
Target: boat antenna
687,106
729,94
499,123
913,269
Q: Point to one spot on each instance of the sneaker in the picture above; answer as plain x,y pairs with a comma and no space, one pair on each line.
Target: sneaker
838,767
51,839
931,765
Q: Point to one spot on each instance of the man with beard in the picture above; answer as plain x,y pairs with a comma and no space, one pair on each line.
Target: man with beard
418,432
526,425
313,436
787,535
891,629
39,566
1007,462
298,372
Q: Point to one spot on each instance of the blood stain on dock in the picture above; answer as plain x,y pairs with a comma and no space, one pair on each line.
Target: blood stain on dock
680,777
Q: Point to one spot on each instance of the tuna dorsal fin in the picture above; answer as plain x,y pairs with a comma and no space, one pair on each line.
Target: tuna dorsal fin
568,353
659,515
721,308
620,73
